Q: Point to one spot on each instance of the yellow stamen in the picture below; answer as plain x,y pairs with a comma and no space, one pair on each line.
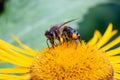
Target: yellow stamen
78,62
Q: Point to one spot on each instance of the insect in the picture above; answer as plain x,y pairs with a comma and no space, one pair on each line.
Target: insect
61,33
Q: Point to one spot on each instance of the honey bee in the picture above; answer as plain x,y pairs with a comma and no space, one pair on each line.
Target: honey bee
61,33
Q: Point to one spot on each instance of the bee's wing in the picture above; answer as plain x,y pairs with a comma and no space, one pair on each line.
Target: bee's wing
61,26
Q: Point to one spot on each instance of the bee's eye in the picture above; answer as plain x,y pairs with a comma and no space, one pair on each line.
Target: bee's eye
51,33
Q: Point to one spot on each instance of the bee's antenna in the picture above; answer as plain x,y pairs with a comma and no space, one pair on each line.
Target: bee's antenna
68,22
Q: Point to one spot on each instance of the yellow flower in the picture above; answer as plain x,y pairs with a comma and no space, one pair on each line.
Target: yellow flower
95,60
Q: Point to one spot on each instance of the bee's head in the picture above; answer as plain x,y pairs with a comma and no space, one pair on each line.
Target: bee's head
50,35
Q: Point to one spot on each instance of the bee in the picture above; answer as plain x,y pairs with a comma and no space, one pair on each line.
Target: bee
61,33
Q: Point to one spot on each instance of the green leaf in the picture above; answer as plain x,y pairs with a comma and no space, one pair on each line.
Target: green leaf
29,19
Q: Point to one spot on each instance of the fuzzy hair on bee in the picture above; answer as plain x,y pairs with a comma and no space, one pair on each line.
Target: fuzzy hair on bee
61,33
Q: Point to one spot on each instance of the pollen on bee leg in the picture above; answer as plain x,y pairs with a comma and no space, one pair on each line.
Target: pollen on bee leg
61,40
74,36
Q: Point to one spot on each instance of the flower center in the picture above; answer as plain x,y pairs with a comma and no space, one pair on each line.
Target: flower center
64,62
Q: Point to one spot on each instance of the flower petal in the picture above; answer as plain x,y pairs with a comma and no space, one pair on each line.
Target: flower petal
14,70
113,52
111,44
95,38
18,49
106,37
32,52
14,77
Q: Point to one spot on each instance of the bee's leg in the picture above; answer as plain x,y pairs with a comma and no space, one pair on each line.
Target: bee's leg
53,45
60,39
79,38
66,38
76,41
47,44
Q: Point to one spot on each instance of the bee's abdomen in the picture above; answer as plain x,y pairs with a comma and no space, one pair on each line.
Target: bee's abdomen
71,33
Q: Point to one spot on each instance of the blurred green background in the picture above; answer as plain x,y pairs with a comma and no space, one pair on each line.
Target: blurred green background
29,19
